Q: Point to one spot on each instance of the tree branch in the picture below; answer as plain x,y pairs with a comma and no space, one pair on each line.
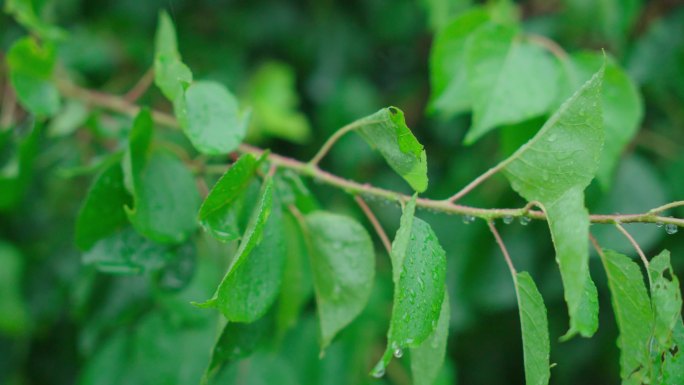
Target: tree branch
507,256
118,104
141,86
374,221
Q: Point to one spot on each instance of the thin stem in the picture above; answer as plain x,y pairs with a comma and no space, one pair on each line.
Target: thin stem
141,86
323,151
374,221
548,44
668,206
499,241
634,243
598,248
476,182
119,105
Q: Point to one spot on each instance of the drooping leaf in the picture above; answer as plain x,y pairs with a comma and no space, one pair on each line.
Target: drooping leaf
297,287
387,132
632,309
554,168
229,186
210,117
342,266
419,275
127,252
15,316
448,72
509,80
30,69
428,357
171,75
102,212
535,330
622,106
253,279
666,298
27,13
274,100
165,198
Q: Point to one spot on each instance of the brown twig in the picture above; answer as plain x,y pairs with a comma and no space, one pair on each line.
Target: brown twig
374,221
140,87
502,246
634,243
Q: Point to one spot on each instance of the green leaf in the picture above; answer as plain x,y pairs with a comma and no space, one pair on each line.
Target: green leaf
428,357
126,252
297,286
27,13
30,68
18,155
509,80
210,118
165,198
672,370
343,267
102,212
535,330
273,97
554,168
72,116
622,106
448,72
419,275
253,279
666,298
15,317
387,132
632,309
171,75
229,186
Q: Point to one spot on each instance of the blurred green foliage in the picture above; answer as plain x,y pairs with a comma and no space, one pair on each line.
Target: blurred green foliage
306,69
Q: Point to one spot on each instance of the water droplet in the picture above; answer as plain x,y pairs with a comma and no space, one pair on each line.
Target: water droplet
525,220
398,352
659,224
671,228
508,219
378,372
468,219
409,341
551,138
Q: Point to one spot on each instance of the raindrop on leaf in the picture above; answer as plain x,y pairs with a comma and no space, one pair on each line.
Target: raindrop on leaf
671,228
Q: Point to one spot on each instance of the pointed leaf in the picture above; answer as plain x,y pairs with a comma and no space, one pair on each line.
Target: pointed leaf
554,168
253,280
535,330
30,70
102,212
343,267
210,118
171,75
428,357
509,80
387,132
632,309
666,297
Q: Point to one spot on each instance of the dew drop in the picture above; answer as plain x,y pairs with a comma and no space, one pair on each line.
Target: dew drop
671,228
551,138
525,221
508,219
398,352
468,219
379,372
659,224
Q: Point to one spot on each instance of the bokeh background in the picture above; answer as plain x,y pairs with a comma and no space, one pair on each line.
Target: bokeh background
307,68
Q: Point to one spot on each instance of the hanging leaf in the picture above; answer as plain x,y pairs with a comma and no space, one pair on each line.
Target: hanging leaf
102,212
30,70
554,168
448,72
632,309
509,80
535,330
210,118
427,358
165,198
387,132
419,275
171,75
253,279
342,266
666,297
